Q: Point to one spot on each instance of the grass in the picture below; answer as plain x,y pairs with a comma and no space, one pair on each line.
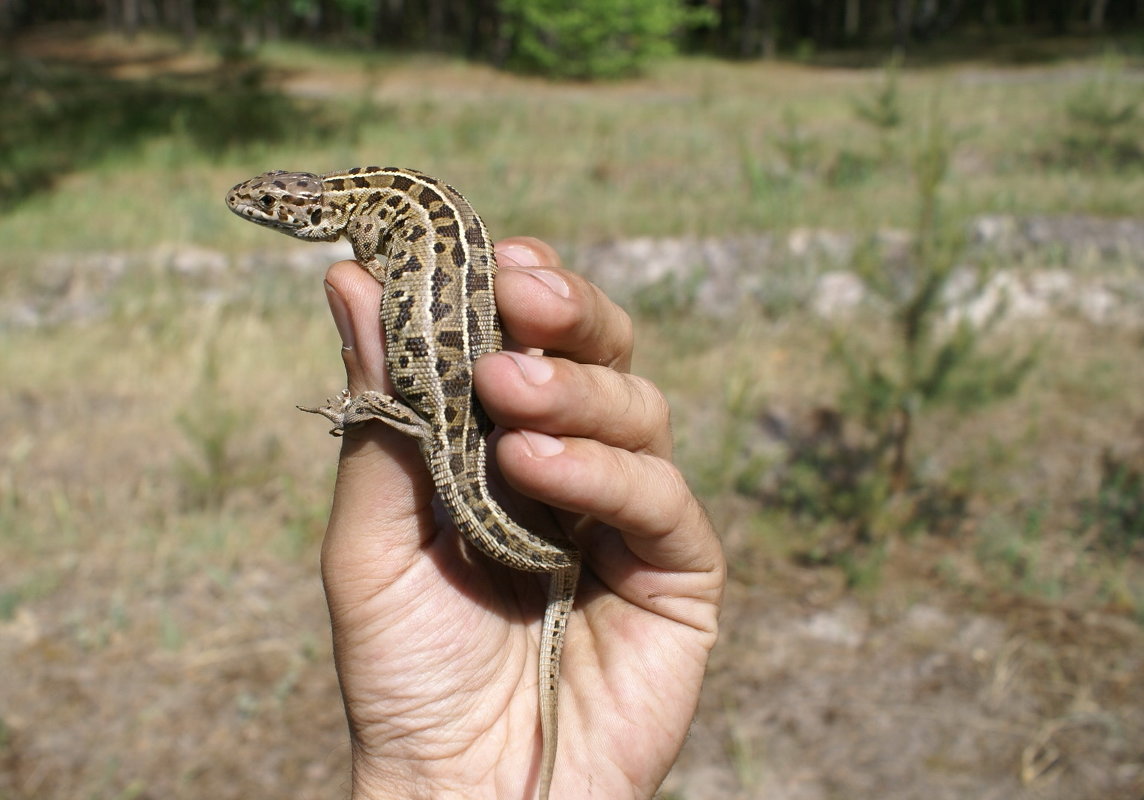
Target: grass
161,528
676,153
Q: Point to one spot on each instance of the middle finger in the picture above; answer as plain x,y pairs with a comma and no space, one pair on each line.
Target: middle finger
563,398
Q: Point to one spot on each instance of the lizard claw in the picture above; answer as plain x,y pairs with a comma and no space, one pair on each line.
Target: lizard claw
334,410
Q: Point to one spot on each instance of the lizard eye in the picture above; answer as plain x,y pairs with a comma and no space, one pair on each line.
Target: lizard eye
266,201
315,216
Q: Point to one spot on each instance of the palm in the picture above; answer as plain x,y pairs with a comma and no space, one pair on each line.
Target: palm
455,636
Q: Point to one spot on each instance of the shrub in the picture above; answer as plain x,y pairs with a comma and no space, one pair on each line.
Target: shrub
593,38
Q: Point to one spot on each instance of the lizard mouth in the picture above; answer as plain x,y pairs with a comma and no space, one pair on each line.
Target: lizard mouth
274,218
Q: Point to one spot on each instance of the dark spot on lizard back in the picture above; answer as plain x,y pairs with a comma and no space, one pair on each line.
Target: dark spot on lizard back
456,463
441,278
459,386
440,310
401,183
475,235
478,281
404,313
411,265
450,338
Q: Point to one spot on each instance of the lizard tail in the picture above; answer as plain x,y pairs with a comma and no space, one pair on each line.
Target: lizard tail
561,592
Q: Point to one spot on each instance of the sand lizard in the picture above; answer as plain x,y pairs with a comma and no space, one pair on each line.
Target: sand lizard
439,315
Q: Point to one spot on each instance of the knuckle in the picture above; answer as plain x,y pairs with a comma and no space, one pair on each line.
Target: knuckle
650,406
655,402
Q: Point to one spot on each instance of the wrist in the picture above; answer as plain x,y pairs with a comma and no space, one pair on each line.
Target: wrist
375,778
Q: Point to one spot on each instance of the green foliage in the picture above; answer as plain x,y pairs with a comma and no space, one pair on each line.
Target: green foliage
883,107
799,150
857,467
734,466
1104,128
594,38
1117,511
850,168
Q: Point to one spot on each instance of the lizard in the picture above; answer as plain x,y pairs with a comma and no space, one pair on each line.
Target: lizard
423,241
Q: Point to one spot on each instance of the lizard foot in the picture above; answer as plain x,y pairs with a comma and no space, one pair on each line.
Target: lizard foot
334,410
348,412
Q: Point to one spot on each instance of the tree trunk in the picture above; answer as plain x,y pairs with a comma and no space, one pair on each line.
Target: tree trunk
989,14
388,22
180,15
903,21
1059,14
436,24
769,33
7,19
853,24
750,28
1096,14
129,18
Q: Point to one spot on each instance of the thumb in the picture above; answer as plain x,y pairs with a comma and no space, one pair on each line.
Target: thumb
382,483
354,298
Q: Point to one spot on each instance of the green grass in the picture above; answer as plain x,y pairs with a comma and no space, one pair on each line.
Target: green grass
692,149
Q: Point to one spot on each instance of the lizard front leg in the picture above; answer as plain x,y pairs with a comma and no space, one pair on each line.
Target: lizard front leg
364,231
346,412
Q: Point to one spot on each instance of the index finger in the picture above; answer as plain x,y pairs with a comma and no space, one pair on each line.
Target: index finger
545,306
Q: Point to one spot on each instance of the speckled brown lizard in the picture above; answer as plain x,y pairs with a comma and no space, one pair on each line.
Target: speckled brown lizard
439,315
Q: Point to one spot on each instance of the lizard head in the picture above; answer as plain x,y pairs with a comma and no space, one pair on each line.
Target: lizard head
287,201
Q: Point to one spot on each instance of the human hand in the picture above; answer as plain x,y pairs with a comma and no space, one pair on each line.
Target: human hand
436,646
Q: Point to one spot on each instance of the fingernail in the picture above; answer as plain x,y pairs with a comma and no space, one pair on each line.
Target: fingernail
341,316
515,255
524,258
542,445
551,280
535,369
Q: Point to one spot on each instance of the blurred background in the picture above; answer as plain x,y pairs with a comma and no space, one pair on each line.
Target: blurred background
884,258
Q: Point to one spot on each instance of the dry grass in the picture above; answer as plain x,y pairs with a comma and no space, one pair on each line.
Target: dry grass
162,630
